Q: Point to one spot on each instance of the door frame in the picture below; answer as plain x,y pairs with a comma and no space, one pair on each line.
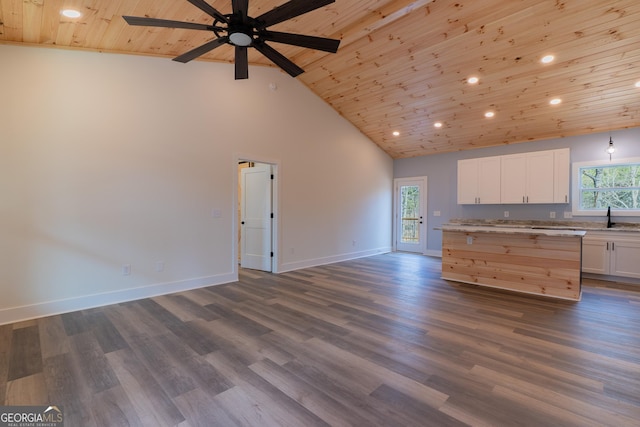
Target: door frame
397,182
275,207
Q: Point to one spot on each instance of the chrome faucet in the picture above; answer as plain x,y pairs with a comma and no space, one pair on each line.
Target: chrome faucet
609,223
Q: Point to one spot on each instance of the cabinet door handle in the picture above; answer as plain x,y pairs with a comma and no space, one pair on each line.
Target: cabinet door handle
566,198
607,245
613,246
522,199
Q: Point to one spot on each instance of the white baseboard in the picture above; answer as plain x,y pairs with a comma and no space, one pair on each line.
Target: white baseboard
434,253
607,278
50,308
297,265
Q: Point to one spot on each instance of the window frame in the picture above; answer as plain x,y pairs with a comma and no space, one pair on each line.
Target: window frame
575,187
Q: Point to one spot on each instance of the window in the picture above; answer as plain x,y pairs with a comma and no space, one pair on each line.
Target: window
599,185
410,213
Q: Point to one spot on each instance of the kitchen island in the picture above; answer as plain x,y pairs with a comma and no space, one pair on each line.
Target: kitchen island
543,262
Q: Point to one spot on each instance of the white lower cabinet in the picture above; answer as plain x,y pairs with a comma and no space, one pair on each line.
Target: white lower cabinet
611,253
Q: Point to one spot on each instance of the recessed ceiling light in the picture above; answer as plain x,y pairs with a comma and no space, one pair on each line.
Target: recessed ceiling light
396,133
555,101
437,124
638,83
489,114
70,13
473,80
547,59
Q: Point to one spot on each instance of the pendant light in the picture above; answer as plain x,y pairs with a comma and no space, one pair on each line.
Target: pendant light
610,149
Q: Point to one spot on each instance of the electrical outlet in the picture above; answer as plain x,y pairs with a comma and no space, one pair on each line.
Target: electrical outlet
126,269
568,215
469,240
506,214
552,215
160,266
436,213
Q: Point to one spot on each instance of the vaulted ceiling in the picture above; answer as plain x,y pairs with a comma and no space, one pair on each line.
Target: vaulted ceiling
404,65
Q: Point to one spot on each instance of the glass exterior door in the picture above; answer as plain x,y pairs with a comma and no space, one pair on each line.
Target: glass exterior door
410,223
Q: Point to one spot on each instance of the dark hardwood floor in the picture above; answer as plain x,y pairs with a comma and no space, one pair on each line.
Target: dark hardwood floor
379,341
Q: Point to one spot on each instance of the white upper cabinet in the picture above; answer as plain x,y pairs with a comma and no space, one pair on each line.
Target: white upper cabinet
561,175
513,178
468,182
527,178
479,181
536,177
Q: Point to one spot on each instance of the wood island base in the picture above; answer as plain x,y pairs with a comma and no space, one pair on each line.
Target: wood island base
540,262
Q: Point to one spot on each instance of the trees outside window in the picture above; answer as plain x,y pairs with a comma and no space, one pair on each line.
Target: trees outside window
409,212
616,186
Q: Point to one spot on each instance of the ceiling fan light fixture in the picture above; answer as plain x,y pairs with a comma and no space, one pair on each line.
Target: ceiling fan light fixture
240,39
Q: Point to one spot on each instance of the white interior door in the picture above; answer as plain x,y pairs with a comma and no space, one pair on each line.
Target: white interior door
256,221
410,228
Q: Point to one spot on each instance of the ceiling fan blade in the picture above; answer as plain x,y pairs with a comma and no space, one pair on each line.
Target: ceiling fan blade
201,50
277,58
241,7
311,42
290,10
153,22
209,10
242,63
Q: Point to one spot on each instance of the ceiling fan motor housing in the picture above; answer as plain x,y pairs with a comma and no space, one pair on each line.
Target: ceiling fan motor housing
240,30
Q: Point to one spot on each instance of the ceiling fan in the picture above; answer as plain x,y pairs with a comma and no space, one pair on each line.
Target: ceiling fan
242,31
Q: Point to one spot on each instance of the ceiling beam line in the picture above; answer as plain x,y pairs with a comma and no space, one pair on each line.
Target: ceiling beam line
373,21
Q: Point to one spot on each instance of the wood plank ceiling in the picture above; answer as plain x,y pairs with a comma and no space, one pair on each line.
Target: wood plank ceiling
403,65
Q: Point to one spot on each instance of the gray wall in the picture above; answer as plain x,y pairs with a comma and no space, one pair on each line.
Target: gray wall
441,171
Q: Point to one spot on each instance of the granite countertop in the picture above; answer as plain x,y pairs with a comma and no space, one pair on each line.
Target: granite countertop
511,230
547,225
